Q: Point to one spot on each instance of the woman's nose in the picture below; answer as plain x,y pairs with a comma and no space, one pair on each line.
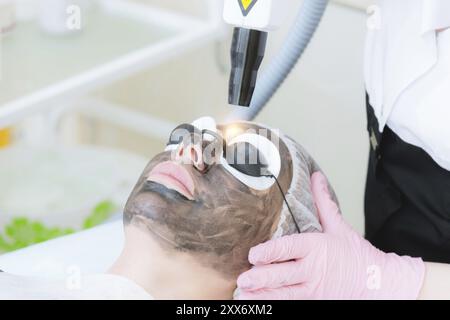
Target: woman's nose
191,154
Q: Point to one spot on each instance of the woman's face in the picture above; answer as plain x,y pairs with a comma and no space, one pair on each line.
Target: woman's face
205,209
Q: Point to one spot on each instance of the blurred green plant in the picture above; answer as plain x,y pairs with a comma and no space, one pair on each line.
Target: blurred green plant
21,232
100,214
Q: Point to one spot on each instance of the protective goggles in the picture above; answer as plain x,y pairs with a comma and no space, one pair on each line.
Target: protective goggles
251,158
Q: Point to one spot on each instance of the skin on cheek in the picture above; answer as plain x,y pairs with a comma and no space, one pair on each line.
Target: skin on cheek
219,229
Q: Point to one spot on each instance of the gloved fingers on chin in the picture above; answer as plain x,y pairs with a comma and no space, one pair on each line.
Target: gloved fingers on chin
273,276
296,292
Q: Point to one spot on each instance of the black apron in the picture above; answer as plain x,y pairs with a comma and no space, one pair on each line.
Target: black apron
407,201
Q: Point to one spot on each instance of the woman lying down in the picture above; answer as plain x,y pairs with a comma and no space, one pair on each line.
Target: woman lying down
194,214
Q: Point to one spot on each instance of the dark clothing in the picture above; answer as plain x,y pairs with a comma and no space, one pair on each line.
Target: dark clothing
407,202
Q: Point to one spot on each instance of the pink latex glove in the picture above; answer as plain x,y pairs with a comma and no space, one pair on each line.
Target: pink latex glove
335,264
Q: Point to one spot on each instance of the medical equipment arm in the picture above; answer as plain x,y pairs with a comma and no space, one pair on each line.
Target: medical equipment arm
253,19
335,264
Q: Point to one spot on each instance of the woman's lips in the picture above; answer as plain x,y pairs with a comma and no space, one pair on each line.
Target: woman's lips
173,176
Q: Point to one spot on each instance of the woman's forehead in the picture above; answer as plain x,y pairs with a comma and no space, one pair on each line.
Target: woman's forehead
231,130
241,126
234,129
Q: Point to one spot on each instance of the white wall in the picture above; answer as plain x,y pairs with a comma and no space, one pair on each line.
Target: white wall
321,105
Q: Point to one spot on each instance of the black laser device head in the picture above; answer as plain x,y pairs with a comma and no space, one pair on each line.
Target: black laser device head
247,53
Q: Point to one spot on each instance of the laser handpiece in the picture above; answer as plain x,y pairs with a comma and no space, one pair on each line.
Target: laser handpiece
247,53
252,19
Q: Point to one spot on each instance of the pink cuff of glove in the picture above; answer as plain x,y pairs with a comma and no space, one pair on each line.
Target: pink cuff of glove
404,276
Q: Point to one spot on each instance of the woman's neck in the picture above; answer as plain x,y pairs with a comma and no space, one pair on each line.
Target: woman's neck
166,275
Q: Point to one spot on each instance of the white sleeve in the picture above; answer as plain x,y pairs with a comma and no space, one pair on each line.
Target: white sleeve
435,15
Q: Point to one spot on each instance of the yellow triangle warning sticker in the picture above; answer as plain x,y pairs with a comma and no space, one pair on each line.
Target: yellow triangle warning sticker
246,3
246,6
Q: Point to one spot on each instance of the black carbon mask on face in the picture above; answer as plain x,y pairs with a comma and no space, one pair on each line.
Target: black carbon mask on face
223,221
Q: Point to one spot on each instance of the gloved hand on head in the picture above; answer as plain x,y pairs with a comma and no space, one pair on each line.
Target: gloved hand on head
335,264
